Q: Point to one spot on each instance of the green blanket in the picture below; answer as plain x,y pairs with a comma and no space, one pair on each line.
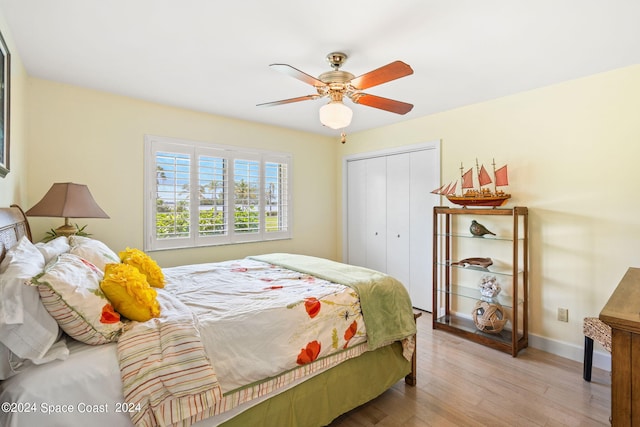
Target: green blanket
386,306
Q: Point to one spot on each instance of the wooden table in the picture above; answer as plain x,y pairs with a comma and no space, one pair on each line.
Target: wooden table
622,313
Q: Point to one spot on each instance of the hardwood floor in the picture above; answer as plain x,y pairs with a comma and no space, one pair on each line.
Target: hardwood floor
461,383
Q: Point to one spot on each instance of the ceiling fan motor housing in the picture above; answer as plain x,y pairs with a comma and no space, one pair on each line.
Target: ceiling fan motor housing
336,83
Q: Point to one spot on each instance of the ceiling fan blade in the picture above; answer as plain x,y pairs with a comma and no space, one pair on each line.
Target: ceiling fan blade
300,75
386,104
384,74
289,101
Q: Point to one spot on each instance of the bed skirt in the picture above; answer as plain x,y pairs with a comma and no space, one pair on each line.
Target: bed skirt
321,399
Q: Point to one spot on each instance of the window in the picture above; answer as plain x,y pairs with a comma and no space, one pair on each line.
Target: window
199,194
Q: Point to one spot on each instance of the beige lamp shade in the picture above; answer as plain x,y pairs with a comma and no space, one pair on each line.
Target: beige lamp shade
67,200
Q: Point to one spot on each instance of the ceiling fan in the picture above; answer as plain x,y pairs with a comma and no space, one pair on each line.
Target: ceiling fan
337,84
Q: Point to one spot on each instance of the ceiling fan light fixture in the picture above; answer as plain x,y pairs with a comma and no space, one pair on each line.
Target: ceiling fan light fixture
336,84
335,115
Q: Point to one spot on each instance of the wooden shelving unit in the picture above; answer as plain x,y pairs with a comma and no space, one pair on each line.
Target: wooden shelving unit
456,290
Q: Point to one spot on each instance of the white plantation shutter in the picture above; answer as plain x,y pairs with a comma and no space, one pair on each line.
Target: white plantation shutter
246,178
199,194
277,195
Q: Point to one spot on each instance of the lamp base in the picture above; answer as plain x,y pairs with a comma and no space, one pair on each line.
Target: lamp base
66,230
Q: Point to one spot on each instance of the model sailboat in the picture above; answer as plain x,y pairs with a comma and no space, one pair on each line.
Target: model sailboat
481,195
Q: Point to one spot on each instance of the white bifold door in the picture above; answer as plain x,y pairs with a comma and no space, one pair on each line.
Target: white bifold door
389,211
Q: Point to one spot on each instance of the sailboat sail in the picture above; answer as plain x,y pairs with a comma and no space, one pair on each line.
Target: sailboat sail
467,179
446,189
502,178
483,177
440,190
451,190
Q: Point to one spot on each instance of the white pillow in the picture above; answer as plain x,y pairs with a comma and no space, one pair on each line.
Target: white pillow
27,330
21,262
94,251
53,248
32,338
70,291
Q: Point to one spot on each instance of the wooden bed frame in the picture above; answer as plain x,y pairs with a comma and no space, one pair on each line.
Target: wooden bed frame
320,399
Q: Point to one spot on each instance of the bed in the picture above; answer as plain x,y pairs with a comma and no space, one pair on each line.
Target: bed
237,343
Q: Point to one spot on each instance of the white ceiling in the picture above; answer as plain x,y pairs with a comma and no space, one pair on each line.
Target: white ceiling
214,56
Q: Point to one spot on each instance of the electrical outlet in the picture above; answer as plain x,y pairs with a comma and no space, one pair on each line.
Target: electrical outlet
563,314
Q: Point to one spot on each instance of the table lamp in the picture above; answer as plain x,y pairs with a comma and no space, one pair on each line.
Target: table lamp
67,200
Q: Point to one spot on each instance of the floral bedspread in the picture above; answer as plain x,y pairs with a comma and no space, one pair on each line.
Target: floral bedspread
257,320
235,330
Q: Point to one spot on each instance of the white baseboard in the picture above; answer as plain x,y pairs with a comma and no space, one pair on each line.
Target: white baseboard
601,359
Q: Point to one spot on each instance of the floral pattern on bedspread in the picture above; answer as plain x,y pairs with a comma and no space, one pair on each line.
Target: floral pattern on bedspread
258,320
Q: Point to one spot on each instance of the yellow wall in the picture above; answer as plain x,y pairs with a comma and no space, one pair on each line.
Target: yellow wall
573,151
96,138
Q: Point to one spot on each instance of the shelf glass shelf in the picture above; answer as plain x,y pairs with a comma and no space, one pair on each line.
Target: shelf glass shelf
474,294
468,326
490,270
485,237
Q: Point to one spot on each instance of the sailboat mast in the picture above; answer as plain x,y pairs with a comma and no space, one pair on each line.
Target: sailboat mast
461,178
495,187
478,175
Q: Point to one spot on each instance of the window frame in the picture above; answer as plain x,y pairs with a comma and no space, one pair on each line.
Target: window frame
195,150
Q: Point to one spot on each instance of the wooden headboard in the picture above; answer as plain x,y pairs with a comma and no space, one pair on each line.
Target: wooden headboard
13,225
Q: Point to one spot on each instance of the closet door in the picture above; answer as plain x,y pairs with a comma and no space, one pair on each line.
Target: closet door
376,214
399,229
425,176
357,208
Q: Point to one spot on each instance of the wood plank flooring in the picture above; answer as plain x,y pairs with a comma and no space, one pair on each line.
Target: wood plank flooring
461,383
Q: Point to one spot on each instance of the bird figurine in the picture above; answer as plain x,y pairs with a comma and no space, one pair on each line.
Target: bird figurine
478,229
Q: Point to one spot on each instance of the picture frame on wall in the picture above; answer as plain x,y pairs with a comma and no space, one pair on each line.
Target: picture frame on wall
5,104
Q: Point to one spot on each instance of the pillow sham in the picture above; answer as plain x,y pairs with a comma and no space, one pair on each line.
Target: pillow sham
53,248
146,265
70,290
129,292
94,251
